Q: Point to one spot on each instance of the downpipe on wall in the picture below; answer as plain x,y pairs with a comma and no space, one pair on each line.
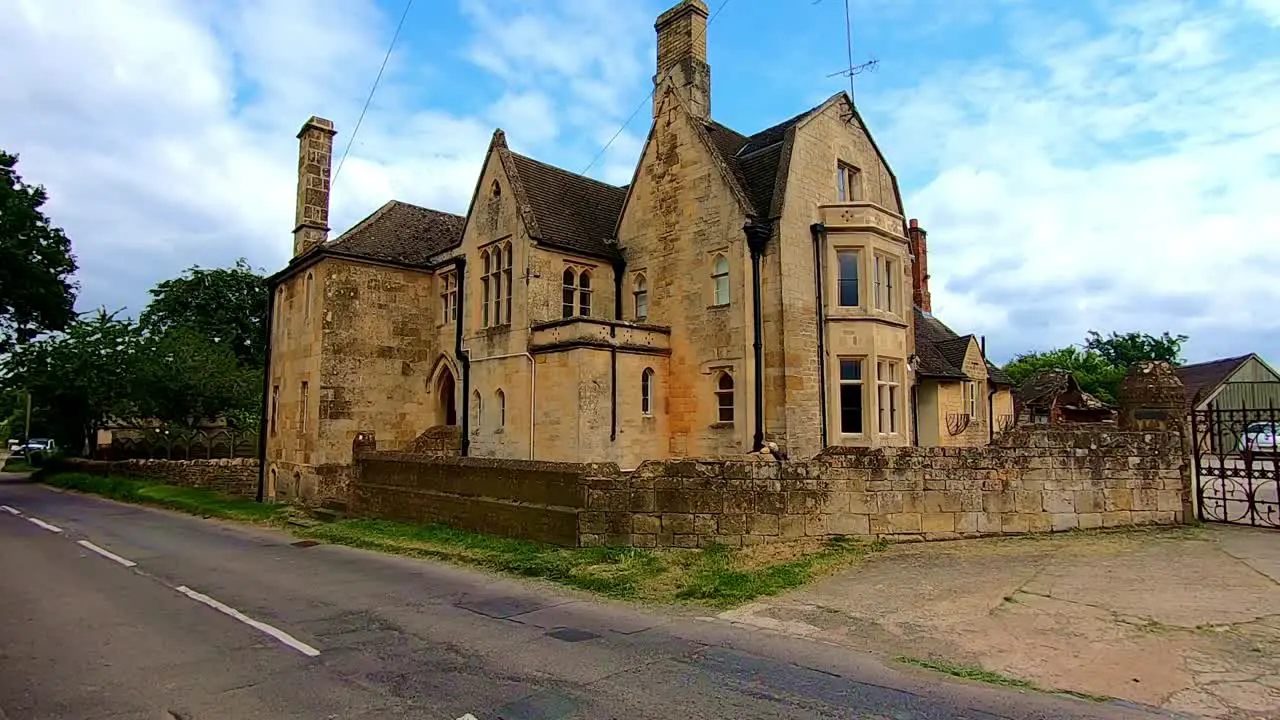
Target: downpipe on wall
619,268
819,232
757,238
464,362
266,396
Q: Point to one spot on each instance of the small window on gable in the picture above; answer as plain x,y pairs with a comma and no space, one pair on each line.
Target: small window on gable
570,293
311,295
849,188
495,190
720,279
646,392
724,398
642,298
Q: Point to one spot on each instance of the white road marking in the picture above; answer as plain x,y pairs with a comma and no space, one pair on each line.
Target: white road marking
106,553
40,523
468,716
276,633
11,511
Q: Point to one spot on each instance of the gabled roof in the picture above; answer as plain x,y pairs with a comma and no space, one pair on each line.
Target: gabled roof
400,232
940,352
1040,390
1207,376
570,211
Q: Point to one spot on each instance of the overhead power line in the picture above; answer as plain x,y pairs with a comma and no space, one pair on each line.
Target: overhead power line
408,4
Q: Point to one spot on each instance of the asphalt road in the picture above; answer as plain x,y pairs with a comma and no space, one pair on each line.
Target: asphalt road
195,619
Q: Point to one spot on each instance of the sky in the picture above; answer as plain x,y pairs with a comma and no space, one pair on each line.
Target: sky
1097,164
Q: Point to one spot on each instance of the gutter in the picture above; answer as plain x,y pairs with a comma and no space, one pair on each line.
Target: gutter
264,419
819,232
464,363
619,267
757,237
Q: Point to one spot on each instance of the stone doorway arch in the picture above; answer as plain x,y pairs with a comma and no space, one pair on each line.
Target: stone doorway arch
446,398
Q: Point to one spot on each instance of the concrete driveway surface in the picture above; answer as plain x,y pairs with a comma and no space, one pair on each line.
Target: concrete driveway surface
1183,618
110,611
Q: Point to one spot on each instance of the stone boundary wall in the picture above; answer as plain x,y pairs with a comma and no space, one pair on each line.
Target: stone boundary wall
1032,480
237,477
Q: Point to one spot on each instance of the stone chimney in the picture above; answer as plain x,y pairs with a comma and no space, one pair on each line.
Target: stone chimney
682,56
917,238
315,157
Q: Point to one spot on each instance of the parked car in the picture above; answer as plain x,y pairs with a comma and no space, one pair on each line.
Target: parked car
14,445
42,445
1259,437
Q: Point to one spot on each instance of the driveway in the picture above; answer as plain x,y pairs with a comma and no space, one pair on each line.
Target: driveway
1184,618
114,611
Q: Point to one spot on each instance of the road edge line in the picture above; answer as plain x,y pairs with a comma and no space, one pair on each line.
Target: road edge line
276,633
106,553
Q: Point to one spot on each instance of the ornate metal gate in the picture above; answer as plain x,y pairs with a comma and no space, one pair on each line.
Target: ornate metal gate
1237,462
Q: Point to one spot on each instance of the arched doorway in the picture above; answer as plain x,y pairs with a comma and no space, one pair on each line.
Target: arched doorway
447,398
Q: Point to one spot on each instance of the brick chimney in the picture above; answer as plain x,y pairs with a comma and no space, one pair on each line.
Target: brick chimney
917,237
682,56
315,157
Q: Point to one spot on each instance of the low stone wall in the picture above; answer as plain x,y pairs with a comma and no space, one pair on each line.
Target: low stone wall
237,477
517,498
1033,480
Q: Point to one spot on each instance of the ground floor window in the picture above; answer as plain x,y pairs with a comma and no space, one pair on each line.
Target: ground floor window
850,396
888,400
724,398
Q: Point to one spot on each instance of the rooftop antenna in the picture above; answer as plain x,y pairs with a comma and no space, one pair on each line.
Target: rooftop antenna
851,70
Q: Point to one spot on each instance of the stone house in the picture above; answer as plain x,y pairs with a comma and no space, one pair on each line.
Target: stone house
1054,397
741,289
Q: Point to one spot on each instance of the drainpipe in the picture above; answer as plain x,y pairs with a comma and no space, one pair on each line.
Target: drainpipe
757,237
263,427
991,395
464,363
619,267
533,384
819,232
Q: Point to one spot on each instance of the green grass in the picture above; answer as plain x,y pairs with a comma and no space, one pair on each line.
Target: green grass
716,576
17,465
970,672
205,503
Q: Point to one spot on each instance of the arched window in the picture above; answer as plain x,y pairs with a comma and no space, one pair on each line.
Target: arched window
584,293
477,414
484,289
724,398
646,391
720,278
570,292
502,408
642,298
497,286
506,279
495,191
311,294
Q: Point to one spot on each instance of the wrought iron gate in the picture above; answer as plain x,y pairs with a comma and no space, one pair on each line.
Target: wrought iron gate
1237,464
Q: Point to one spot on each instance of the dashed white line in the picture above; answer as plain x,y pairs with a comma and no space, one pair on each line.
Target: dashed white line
11,511
468,716
106,553
40,523
276,633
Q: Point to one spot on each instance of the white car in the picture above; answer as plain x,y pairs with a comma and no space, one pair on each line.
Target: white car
1259,437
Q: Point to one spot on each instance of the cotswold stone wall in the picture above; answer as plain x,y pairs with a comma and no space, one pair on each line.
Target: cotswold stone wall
236,476
1034,480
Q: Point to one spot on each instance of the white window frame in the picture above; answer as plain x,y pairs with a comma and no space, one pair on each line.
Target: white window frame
848,183
449,296
722,393
971,398
641,295
888,397
720,294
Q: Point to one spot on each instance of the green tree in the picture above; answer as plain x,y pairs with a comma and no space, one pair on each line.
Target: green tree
36,264
79,378
1125,350
226,305
183,377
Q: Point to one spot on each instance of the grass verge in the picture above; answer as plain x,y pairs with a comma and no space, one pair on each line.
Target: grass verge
14,465
970,672
715,576
195,501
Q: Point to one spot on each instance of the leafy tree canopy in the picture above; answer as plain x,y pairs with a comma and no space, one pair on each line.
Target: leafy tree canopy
36,264
1101,364
228,306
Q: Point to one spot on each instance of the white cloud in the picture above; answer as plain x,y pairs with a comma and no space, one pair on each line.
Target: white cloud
1117,180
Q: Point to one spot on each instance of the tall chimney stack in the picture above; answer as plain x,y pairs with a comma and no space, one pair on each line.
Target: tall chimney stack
315,157
918,239
682,56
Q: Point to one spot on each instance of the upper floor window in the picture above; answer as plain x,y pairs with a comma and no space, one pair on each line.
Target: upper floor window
850,183
577,293
886,288
495,285
486,269
310,298
724,398
449,296
646,391
570,293
584,293
850,396
642,298
847,277
970,394
720,279
506,280
887,395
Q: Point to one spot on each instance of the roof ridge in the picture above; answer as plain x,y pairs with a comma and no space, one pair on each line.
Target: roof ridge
1238,358
424,207
570,173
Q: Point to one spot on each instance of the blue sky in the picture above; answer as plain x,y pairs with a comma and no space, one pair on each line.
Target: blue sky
1096,164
